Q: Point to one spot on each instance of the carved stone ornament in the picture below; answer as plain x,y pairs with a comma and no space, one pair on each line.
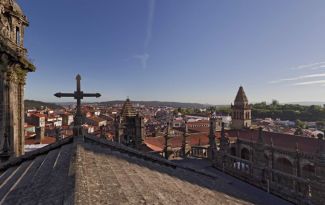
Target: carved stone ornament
4,61
21,76
4,23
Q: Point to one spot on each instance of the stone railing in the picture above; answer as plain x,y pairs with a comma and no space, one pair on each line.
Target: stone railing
296,189
293,188
237,166
200,152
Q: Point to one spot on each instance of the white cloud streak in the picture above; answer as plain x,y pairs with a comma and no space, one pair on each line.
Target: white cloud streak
143,58
312,66
299,78
151,16
315,82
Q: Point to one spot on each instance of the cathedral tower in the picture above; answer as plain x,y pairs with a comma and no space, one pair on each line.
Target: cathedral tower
14,66
131,129
241,111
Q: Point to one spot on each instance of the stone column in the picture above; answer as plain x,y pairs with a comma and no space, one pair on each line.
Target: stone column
21,110
318,183
212,139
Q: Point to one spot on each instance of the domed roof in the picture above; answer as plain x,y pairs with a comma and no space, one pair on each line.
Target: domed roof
16,8
13,6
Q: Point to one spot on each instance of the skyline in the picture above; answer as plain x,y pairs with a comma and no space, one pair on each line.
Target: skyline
183,51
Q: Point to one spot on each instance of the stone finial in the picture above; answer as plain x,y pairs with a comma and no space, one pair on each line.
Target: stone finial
297,147
222,130
223,140
260,136
102,132
57,133
321,149
185,127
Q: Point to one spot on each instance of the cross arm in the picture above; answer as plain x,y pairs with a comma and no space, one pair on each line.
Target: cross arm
59,95
97,95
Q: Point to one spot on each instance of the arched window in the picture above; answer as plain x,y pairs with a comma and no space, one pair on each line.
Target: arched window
284,165
17,36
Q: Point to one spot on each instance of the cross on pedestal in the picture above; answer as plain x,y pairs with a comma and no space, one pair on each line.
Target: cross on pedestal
78,95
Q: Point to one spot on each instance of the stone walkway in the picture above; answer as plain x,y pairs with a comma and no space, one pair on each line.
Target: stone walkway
258,195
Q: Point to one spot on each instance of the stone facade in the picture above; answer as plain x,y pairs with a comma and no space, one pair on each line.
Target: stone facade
14,67
295,174
241,111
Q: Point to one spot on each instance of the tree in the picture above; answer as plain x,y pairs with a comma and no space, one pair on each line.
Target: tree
300,124
299,131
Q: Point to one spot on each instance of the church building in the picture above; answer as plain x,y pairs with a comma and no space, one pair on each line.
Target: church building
14,66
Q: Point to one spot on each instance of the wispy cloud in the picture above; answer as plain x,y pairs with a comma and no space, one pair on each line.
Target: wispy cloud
312,66
315,82
299,78
143,58
151,16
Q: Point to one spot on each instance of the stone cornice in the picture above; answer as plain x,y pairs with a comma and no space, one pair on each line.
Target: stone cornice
14,56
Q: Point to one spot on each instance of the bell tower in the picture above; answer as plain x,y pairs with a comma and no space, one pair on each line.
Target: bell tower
241,111
14,66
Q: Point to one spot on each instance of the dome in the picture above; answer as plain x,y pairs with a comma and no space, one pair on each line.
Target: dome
16,8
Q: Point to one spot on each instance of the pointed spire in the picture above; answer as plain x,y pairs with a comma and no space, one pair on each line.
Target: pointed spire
223,130
241,97
128,109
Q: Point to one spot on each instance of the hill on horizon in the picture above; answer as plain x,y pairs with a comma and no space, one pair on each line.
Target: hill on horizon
32,104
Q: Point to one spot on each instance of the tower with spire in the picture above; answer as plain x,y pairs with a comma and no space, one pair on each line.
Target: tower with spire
129,126
241,111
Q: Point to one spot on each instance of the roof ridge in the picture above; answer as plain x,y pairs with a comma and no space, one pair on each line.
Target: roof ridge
32,154
149,157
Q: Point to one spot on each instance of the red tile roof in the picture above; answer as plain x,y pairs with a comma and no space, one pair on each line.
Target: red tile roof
283,141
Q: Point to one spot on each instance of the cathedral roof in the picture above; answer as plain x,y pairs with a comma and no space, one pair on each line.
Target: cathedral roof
17,8
241,96
96,171
128,109
12,6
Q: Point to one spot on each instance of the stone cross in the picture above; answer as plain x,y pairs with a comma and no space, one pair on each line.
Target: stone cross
78,95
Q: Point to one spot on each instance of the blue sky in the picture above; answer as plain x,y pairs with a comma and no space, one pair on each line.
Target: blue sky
178,50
